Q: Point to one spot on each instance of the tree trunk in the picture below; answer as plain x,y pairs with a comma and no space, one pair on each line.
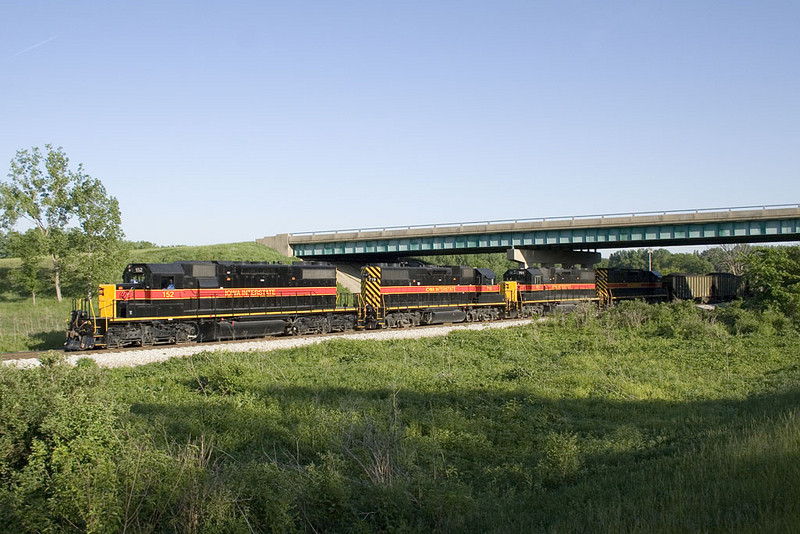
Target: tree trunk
57,277
33,296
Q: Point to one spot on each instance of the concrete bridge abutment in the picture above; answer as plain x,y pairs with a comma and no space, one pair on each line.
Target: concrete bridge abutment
279,242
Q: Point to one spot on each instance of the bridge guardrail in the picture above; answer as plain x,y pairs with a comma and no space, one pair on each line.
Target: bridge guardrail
546,219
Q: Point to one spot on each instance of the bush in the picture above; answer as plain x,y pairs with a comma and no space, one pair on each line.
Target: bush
58,451
539,428
742,321
561,458
628,314
686,321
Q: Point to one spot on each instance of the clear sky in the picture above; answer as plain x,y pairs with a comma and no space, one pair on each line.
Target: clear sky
215,122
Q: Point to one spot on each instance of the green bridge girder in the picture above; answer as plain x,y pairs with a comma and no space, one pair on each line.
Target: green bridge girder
607,236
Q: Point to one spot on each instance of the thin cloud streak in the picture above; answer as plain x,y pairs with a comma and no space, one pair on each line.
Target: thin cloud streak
37,45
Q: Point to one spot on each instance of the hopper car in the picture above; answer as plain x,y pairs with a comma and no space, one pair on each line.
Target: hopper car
704,288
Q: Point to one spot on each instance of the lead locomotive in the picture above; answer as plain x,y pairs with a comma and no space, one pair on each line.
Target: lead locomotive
182,301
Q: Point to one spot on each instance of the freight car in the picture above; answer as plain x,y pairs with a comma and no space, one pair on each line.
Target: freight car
685,286
727,286
712,287
181,301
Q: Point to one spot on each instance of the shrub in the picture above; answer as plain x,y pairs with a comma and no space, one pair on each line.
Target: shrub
686,321
59,451
561,458
628,314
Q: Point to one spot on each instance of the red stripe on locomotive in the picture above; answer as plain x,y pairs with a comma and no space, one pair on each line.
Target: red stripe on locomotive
257,292
406,290
554,287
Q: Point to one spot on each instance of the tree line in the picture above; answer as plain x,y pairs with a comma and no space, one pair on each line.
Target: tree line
722,259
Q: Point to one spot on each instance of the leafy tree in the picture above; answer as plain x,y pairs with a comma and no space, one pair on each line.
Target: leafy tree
45,192
660,260
728,258
773,274
632,259
100,243
27,247
692,263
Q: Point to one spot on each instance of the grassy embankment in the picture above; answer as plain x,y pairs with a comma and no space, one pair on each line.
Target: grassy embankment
646,419
24,326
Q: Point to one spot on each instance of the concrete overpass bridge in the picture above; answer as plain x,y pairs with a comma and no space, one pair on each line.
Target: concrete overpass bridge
569,240
752,224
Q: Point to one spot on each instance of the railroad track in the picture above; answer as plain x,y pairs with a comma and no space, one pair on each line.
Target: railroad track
28,355
130,356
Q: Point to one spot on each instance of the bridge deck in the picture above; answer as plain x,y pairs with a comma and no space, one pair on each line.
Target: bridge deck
707,226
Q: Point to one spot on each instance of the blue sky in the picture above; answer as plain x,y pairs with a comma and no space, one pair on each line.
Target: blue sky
216,122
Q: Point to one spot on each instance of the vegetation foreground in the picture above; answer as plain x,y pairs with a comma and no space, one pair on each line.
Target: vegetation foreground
644,419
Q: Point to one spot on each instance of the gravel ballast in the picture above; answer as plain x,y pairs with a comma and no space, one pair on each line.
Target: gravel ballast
132,358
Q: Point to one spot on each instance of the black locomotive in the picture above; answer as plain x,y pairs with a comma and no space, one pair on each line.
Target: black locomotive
181,301
541,290
410,294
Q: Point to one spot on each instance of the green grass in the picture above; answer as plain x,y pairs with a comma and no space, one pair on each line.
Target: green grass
25,327
647,419
247,251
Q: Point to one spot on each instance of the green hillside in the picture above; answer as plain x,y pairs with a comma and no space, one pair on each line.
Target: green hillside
246,251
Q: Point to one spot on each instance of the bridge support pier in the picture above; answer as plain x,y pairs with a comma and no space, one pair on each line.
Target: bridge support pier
552,256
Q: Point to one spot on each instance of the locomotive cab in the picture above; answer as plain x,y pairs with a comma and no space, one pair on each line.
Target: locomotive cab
525,276
153,276
485,277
